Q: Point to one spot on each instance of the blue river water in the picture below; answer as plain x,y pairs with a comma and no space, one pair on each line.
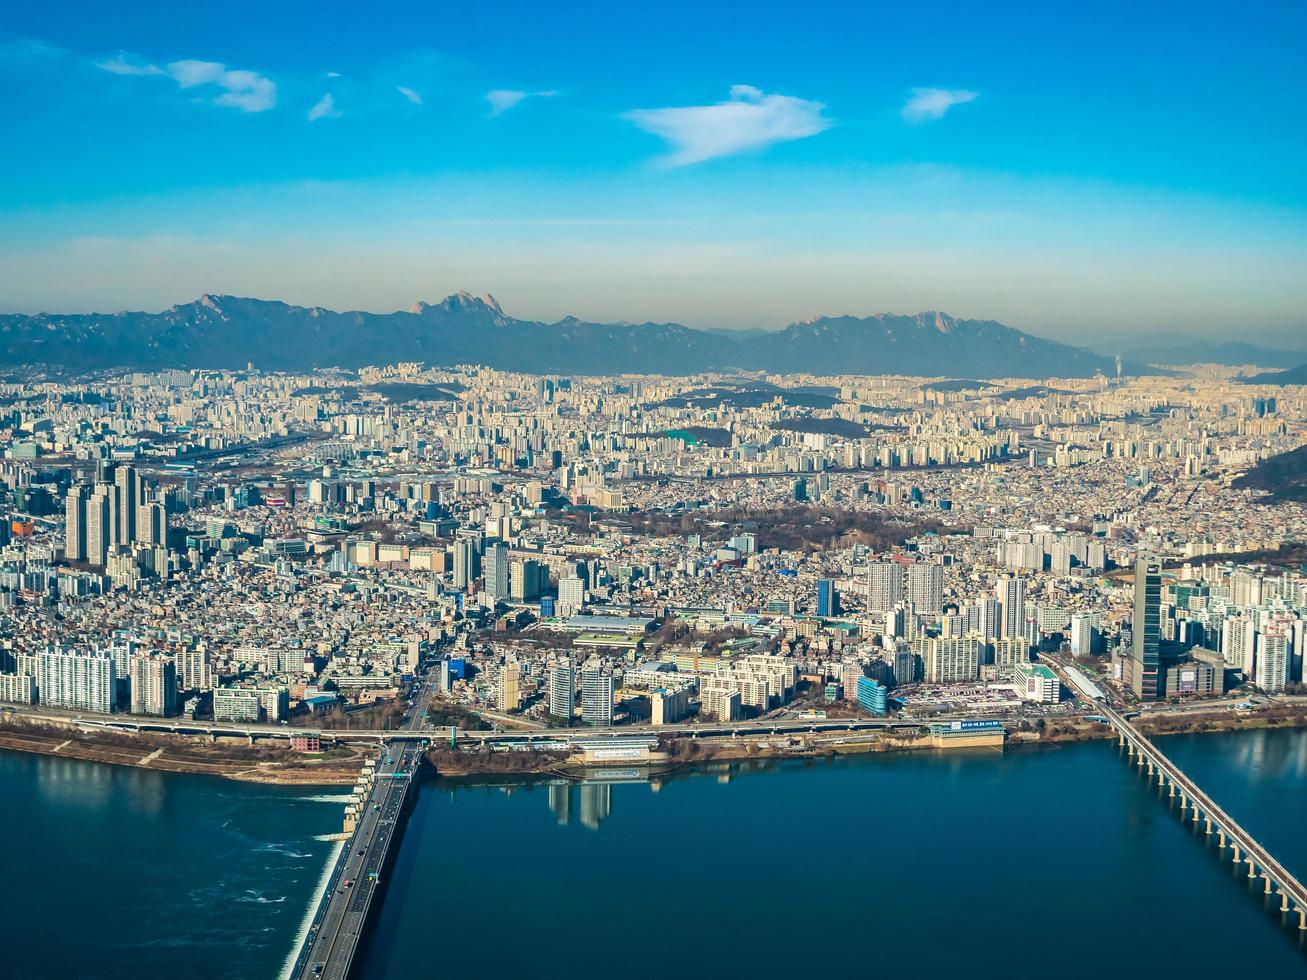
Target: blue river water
1051,862
113,872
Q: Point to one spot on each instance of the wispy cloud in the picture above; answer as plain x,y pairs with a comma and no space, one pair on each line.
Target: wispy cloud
324,108
121,64
408,93
929,104
749,120
235,88
503,99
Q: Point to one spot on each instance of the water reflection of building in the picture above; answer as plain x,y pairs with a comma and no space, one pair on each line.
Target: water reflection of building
596,803
560,801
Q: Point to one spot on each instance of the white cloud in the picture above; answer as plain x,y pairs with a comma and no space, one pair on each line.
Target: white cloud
749,120
324,108
244,90
408,93
503,99
122,65
237,88
928,104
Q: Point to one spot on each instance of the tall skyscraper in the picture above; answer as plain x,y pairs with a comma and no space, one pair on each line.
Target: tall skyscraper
496,570
75,523
596,695
510,686
828,600
1145,673
99,525
151,524
127,483
464,562
1082,635
1011,595
1274,652
562,689
885,586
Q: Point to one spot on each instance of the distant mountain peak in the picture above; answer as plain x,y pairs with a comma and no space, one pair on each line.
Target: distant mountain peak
223,331
462,302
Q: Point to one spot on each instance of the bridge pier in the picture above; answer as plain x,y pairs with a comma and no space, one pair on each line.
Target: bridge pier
1172,795
1184,802
1195,813
1268,882
1284,902
1236,859
1221,837
1302,918
1150,767
1208,821
1251,868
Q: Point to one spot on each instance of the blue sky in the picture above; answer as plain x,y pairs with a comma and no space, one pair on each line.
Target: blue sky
1070,171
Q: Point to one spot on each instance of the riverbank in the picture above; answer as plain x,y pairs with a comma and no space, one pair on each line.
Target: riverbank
265,763
184,754
682,751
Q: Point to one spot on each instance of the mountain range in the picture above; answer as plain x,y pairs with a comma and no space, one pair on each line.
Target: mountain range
230,331
1177,348
1293,376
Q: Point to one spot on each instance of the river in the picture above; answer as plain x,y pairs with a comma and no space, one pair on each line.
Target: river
113,872
1055,861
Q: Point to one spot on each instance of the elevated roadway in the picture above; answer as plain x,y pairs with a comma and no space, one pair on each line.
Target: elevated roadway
1201,810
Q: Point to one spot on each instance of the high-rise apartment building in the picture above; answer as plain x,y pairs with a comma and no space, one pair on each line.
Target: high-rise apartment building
926,587
1274,652
562,689
571,596
1011,595
75,523
596,695
510,686
949,661
153,685
79,681
127,484
495,566
99,525
884,586
151,524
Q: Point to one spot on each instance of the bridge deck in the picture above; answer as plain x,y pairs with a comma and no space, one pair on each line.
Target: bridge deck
334,936
1275,872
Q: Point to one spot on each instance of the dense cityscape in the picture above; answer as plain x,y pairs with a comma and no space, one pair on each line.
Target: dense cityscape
249,547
